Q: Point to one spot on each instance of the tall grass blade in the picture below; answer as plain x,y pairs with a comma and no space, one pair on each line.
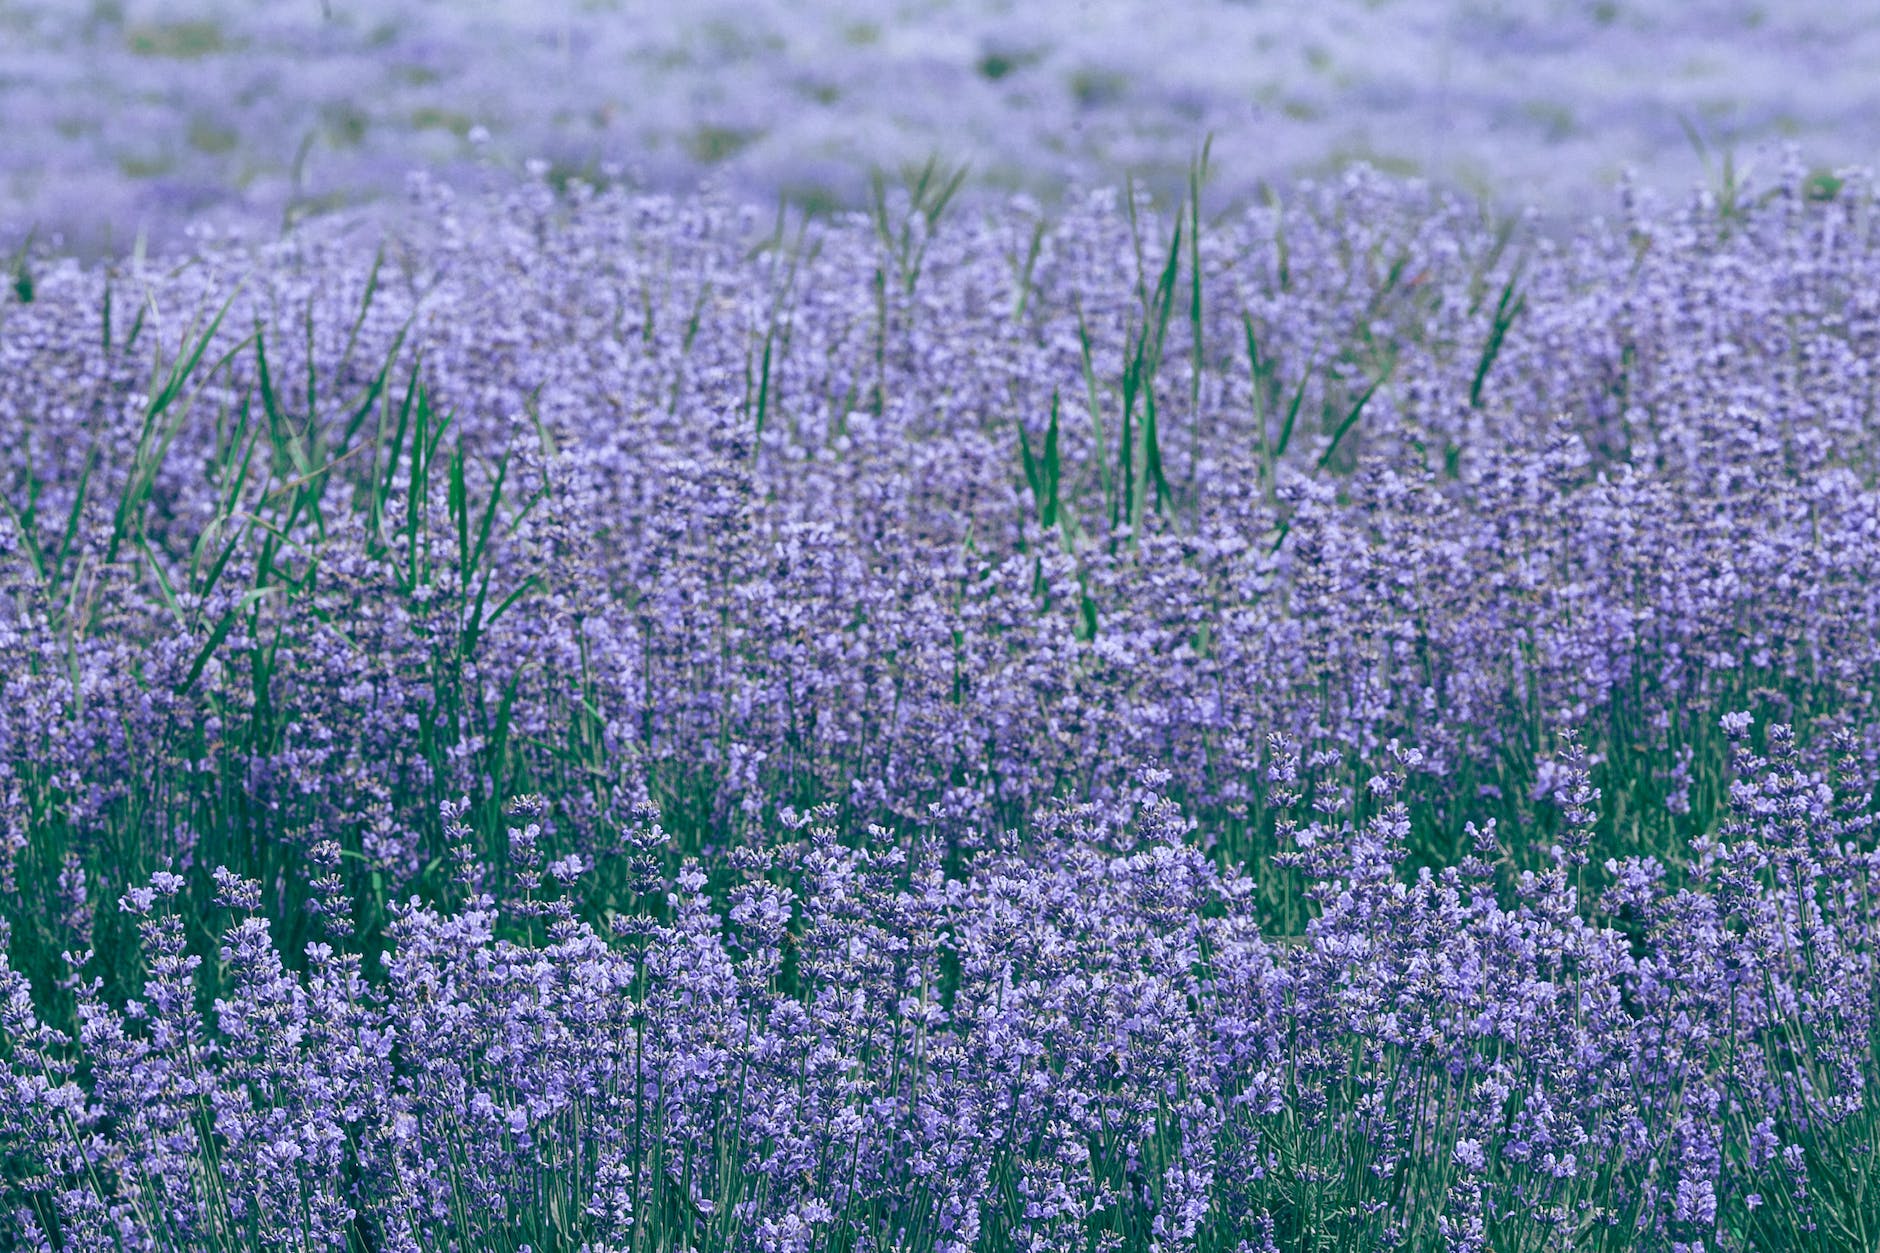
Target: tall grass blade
1100,454
1351,418
1507,309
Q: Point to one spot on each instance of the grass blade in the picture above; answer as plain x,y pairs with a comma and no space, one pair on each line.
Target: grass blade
1351,419
1098,443
1507,309
1292,412
220,633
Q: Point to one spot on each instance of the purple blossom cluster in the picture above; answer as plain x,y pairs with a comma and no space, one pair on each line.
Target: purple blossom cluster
614,723
1082,1038
754,532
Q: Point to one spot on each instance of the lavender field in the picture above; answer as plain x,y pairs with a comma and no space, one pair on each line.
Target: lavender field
612,721
129,117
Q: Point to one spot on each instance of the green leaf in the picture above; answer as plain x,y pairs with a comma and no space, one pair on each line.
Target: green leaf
1099,452
1351,419
1031,466
1507,309
1292,412
219,634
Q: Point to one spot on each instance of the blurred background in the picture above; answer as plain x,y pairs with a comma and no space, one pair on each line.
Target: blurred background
124,117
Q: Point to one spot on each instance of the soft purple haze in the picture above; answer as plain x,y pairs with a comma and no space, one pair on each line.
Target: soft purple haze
133,115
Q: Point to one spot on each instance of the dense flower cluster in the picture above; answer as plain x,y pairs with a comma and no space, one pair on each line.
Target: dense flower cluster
610,725
1081,1038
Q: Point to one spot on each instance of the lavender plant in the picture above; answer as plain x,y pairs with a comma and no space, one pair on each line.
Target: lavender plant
618,723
